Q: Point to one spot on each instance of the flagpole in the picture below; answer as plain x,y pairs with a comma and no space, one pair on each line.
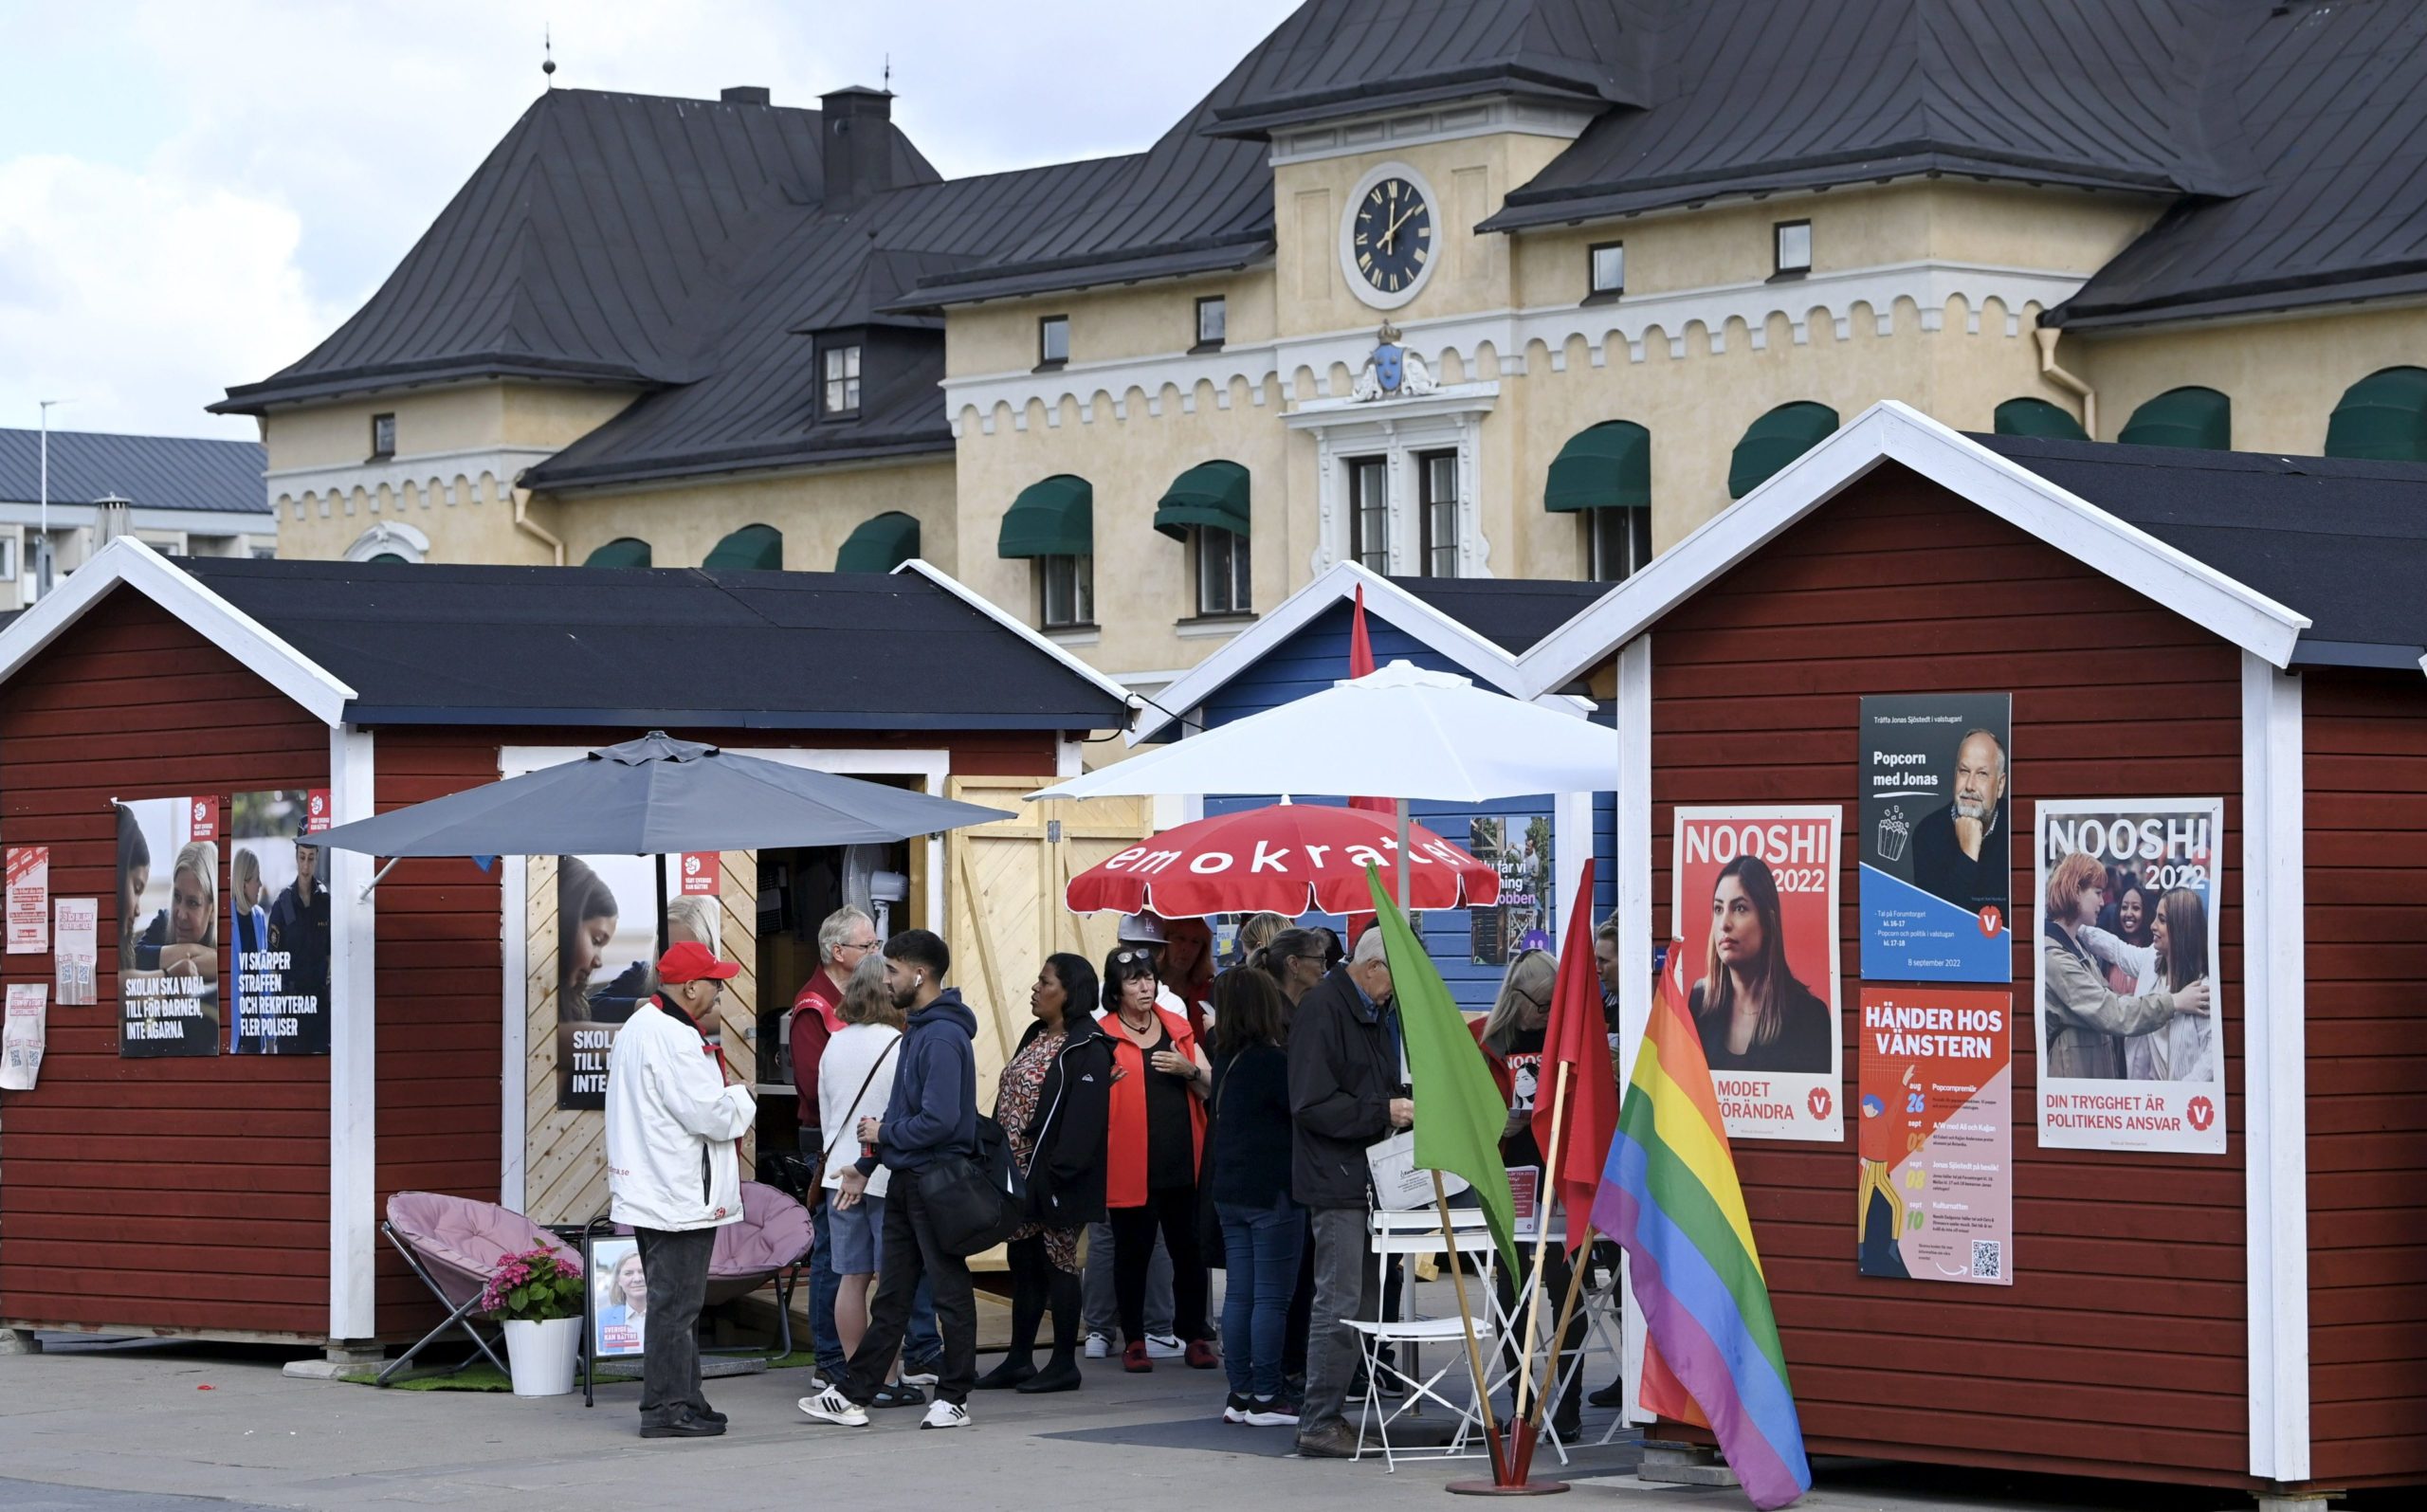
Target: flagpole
1544,1185
1467,1317
1567,1316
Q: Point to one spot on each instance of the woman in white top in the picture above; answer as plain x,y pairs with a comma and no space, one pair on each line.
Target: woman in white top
2184,1047
855,1081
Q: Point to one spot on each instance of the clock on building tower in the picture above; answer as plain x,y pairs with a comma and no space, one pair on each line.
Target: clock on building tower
1387,246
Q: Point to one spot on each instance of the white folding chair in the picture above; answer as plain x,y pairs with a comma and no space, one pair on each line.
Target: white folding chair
1596,1314
1412,1233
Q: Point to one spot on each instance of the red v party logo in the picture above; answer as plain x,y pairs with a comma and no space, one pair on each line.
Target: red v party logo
2203,1112
1819,1101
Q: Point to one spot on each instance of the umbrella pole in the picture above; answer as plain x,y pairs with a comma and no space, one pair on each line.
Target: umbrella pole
660,868
1404,905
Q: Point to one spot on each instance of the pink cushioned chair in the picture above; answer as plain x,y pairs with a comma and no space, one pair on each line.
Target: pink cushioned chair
453,1244
770,1241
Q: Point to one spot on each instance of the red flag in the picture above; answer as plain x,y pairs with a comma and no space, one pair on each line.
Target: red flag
1578,1037
1360,662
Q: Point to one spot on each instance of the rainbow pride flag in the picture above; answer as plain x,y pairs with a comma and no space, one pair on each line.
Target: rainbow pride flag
1670,1195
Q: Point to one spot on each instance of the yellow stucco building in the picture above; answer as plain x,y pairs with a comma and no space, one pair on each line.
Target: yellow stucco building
1631,258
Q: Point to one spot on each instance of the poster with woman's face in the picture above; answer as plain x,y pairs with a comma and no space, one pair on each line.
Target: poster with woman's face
168,927
606,953
619,1298
1754,901
2130,1022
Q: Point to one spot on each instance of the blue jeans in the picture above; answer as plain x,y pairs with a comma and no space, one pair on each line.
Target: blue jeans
824,1286
1260,1246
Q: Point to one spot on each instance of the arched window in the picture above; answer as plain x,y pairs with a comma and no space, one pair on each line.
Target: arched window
2037,417
753,548
1053,523
624,551
389,542
1774,440
2381,418
2202,419
1206,508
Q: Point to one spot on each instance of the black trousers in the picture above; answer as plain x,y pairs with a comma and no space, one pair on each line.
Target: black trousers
676,1263
1038,1286
911,1253
1174,1211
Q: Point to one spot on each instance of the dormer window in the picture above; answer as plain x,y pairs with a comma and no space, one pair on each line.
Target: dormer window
840,365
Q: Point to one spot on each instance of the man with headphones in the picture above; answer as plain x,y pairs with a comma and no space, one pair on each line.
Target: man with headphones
933,1115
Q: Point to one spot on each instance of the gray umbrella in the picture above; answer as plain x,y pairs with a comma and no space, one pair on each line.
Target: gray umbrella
655,796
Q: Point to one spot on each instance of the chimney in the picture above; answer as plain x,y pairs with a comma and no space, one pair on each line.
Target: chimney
747,95
110,518
859,145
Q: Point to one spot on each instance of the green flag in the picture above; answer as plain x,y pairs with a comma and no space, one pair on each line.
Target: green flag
1459,1115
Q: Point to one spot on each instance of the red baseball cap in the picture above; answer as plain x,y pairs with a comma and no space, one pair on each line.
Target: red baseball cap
689,960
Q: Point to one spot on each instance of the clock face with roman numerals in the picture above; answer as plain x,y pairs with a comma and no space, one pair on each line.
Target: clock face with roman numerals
1390,239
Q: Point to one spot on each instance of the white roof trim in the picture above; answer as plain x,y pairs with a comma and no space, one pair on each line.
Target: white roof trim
129,561
961,591
1485,660
1890,431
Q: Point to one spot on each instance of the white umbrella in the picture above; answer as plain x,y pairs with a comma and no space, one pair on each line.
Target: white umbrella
1400,732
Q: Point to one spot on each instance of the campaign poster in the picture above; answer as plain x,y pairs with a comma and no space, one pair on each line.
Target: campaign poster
22,1035
168,927
2131,1026
278,927
28,899
1936,1078
76,961
1754,901
619,1298
605,964
1518,847
1936,838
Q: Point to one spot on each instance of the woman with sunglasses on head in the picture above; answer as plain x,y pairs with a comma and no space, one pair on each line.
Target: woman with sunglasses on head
1295,959
1153,1152
1052,1101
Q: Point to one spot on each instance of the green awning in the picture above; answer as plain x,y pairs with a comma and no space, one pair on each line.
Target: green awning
880,545
1055,517
1603,466
2037,417
624,551
753,548
1774,440
2381,418
1212,494
2202,419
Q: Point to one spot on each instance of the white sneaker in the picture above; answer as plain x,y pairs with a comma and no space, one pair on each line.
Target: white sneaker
941,1414
1164,1346
919,1378
831,1406
1099,1347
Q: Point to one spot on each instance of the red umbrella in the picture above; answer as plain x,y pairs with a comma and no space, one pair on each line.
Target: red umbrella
1288,859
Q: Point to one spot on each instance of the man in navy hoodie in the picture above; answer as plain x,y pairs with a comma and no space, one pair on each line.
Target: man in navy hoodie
933,1114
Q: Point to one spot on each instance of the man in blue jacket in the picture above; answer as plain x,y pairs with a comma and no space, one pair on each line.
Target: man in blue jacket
933,1115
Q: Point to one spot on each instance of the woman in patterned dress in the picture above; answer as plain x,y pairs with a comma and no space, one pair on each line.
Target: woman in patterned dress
1052,1100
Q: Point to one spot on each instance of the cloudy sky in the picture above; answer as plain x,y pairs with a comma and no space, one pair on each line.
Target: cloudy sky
193,195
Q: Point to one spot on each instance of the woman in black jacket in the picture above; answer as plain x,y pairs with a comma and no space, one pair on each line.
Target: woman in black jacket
1052,1100
1263,1231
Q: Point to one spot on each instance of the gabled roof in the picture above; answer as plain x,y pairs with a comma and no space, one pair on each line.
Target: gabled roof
2332,99
569,646
1478,624
588,247
1750,97
2240,612
1342,57
150,472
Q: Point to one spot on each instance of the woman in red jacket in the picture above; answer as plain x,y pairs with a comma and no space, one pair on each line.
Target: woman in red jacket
1153,1153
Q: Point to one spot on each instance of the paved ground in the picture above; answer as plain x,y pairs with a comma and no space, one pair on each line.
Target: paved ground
190,1428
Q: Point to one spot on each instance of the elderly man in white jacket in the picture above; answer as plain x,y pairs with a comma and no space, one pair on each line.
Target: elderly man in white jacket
672,1174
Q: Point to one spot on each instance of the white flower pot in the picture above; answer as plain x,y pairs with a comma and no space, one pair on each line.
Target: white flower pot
543,1354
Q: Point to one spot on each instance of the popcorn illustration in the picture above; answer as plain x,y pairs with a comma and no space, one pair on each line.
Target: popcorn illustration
1893,832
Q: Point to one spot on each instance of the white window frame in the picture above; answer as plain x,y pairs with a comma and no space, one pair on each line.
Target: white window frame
390,537
1344,434
1083,591
1237,571
1594,564
844,355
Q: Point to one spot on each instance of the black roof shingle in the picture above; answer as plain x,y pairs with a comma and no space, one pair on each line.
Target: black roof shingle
571,646
2338,540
